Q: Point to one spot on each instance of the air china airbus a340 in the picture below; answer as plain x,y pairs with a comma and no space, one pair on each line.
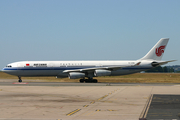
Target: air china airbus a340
88,69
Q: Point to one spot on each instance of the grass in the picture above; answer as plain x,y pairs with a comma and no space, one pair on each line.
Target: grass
132,78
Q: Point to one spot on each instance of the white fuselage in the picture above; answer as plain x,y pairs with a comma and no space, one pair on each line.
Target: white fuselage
56,68
89,69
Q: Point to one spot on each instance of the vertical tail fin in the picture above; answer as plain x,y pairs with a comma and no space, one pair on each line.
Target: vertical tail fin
157,51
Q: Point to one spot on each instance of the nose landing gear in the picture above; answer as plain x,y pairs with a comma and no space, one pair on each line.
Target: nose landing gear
19,79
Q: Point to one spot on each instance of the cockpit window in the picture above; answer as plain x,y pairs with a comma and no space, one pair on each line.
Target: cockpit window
8,66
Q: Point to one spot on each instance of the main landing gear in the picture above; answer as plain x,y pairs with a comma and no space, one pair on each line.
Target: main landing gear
19,79
89,80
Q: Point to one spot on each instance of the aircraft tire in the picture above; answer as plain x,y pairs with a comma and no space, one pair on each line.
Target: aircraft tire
81,80
91,81
95,80
87,81
20,80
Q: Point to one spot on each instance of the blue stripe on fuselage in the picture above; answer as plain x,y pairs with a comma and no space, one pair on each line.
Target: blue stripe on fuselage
67,68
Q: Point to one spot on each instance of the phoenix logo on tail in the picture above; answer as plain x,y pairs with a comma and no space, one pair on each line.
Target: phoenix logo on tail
160,50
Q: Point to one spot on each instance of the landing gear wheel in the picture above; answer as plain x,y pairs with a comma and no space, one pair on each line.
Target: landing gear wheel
91,81
81,80
88,81
19,79
95,81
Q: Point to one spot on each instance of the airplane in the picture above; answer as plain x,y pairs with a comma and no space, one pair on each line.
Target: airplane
89,69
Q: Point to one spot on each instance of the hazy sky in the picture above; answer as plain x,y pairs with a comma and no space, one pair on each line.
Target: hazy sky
87,29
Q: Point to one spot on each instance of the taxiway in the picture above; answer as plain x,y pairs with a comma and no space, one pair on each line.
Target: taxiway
65,101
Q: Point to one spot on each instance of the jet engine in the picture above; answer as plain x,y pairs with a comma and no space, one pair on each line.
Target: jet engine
76,75
102,73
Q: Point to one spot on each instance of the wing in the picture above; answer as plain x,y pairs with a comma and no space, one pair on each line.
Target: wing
100,68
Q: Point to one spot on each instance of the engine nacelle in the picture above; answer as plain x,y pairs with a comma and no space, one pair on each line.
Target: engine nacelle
76,75
102,73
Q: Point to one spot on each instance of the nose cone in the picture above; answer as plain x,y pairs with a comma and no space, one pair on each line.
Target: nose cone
3,69
10,69
7,69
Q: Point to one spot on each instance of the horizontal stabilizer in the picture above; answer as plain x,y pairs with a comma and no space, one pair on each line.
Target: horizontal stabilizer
155,64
